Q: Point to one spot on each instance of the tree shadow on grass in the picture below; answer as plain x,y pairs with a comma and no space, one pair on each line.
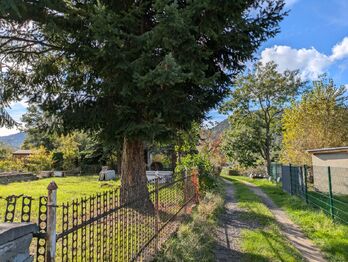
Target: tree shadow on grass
224,254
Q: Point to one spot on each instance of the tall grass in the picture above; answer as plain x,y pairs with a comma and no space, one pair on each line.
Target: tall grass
194,240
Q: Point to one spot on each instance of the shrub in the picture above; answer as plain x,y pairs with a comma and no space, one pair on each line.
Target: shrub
5,151
40,160
207,181
69,148
233,172
12,165
191,161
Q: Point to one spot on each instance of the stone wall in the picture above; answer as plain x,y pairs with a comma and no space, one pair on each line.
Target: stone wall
15,240
6,178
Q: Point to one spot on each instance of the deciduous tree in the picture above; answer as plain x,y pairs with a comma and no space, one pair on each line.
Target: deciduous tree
319,120
241,142
258,100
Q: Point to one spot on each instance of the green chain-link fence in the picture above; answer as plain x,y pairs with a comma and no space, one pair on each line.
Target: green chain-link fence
323,187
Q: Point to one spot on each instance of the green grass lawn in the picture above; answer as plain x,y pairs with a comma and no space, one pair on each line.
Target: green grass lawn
331,237
69,188
264,242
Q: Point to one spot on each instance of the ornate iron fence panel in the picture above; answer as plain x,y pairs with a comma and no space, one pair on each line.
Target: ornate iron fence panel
22,209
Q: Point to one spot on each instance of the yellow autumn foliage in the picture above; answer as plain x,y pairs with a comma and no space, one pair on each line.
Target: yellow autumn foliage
319,120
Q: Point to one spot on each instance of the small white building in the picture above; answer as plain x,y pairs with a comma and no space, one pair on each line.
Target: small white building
334,156
337,159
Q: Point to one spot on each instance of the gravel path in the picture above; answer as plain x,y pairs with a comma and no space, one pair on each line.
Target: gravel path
289,229
228,233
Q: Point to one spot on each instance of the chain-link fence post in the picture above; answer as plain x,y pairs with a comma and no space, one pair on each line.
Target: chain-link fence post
330,192
185,191
305,183
157,213
290,174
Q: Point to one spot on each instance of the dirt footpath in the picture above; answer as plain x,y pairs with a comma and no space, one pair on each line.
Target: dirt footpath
290,230
228,233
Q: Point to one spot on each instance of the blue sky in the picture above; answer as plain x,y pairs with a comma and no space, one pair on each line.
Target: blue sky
313,38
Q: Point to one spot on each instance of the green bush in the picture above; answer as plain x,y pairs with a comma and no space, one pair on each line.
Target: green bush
40,160
207,181
12,165
233,172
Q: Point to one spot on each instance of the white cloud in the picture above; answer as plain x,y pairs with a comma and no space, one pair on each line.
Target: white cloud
309,61
340,50
5,131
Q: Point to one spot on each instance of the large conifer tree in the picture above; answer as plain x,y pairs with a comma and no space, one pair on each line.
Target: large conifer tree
135,70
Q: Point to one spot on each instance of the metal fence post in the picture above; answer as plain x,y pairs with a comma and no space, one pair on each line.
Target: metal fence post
290,174
51,222
157,213
305,182
195,182
279,167
330,192
185,191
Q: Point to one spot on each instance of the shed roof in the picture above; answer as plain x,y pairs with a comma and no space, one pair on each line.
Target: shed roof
22,152
328,150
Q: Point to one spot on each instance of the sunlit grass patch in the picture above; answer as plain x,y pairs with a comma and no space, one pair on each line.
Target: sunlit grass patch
331,237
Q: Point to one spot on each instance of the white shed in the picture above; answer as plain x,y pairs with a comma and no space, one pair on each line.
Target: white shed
337,159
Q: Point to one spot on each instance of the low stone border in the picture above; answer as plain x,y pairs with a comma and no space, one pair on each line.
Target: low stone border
10,178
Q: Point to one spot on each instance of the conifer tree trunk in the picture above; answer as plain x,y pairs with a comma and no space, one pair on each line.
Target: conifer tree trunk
133,172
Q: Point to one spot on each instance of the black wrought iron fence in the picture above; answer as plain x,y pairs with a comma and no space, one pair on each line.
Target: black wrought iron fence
122,225
320,186
116,225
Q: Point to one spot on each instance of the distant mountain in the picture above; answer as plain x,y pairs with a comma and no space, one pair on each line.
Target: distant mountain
15,141
219,128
